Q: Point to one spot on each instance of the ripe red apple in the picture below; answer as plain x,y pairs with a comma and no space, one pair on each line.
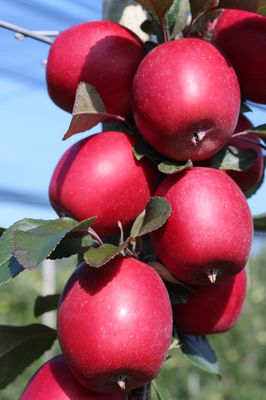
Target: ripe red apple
251,177
115,324
102,53
186,99
209,232
241,36
211,308
99,175
54,381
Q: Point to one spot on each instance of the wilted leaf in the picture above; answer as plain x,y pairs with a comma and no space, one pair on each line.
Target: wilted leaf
20,346
161,6
234,159
259,222
172,167
45,304
143,149
99,256
9,266
177,16
156,213
88,111
160,387
35,245
199,352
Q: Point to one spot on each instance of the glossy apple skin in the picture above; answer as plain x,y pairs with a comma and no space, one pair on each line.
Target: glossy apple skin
241,36
102,53
113,321
183,89
54,381
251,177
213,308
99,176
210,227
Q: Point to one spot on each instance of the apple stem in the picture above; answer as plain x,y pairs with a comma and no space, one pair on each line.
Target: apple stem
212,275
25,32
121,381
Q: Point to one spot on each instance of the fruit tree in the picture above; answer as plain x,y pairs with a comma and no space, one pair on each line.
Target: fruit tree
155,210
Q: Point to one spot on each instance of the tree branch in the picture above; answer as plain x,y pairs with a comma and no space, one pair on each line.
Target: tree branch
25,32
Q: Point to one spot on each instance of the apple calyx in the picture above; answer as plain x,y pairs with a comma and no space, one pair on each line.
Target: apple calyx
121,381
197,137
212,275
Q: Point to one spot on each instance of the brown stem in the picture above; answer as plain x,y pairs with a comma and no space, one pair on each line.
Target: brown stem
25,32
95,236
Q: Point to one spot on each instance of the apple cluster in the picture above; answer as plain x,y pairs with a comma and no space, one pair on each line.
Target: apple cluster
115,323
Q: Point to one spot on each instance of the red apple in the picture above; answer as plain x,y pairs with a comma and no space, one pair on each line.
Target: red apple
241,36
102,53
99,175
251,177
186,99
209,232
54,381
211,309
115,324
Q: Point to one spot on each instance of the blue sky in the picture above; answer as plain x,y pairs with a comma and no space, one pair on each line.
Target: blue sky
32,127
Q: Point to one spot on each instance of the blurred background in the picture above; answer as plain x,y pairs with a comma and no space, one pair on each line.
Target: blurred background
32,128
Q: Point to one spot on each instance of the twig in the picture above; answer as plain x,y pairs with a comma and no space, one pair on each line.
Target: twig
25,32
95,236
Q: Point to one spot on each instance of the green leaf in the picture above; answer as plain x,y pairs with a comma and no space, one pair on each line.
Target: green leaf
199,352
258,6
2,230
259,222
45,304
177,16
244,108
250,192
35,245
72,244
232,158
154,216
20,346
143,149
172,167
162,6
163,272
197,6
99,256
259,131
160,388
177,293
9,265
88,111
149,26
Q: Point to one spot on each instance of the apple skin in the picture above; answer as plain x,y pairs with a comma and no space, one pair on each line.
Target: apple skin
241,36
99,175
102,53
186,99
114,321
54,381
213,308
210,228
248,179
